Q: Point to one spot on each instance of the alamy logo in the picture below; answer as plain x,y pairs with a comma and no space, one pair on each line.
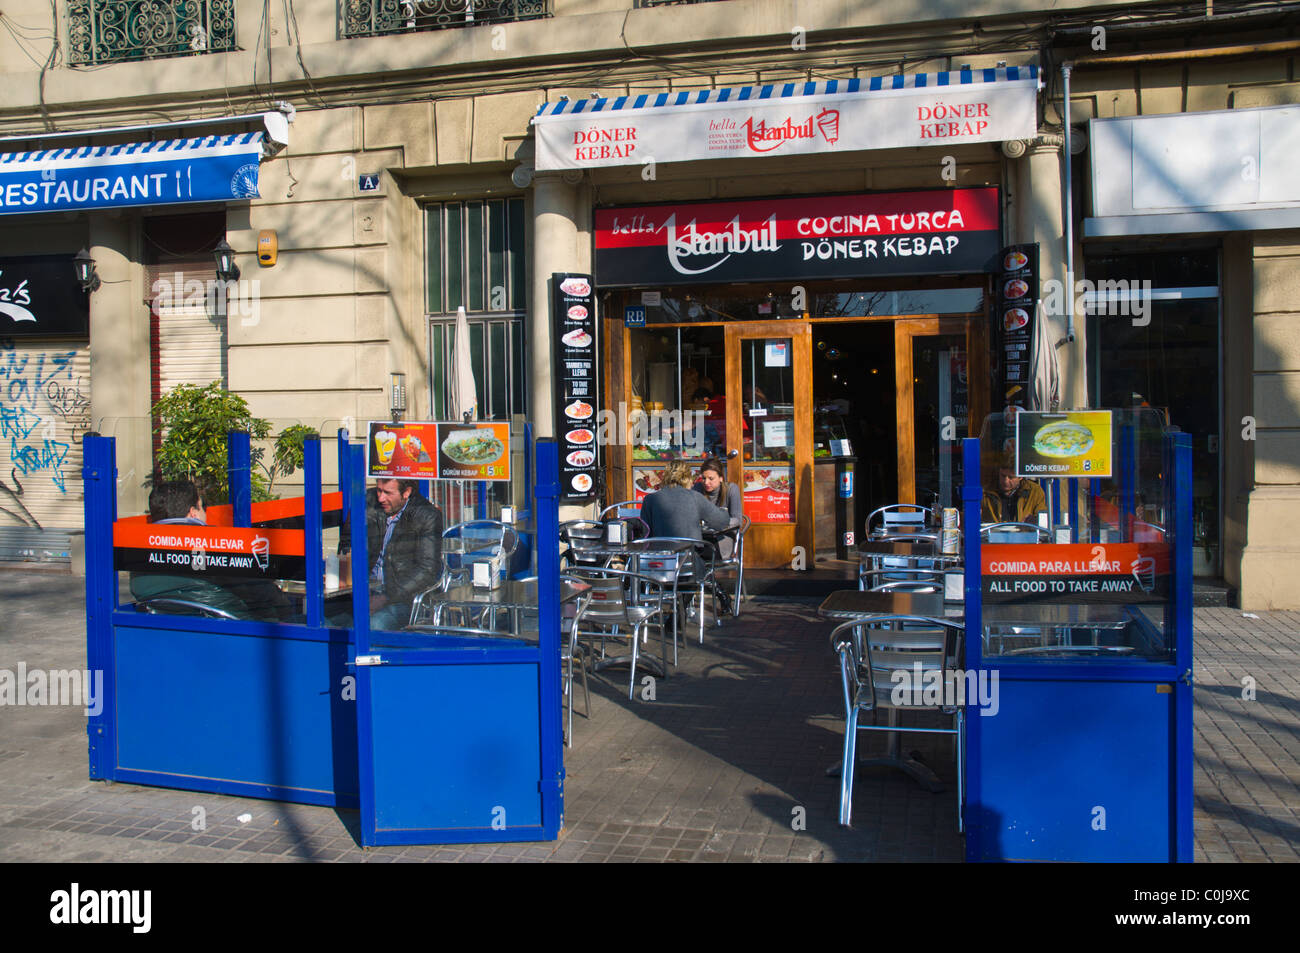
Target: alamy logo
38,687
918,687
74,905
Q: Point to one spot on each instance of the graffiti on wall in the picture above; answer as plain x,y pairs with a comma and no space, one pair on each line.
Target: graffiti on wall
44,410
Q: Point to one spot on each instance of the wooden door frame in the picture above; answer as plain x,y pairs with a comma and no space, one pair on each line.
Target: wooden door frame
799,332
905,330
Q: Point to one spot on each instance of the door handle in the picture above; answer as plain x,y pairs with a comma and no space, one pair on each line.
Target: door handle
369,660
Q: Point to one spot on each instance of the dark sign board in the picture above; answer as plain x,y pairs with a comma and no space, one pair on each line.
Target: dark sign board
1017,296
817,236
39,296
573,311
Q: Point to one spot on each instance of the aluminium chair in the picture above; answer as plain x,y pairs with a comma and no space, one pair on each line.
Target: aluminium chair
609,612
871,652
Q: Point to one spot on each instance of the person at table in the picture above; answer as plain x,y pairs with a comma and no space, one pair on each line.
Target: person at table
713,484
260,600
1012,499
678,511
404,545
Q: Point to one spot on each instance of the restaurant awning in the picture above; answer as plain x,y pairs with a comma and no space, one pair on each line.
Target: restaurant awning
881,112
165,172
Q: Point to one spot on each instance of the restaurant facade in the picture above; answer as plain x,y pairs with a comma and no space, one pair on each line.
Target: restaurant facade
810,233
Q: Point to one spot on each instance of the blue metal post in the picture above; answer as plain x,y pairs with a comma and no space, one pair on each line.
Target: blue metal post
239,470
1179,454
547,525
1056,502
361,632
1094,491
482,505
344,476
971,495
312,538
99,478
528,506
1073,489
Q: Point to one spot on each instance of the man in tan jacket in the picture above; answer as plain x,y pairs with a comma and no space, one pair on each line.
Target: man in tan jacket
1012,499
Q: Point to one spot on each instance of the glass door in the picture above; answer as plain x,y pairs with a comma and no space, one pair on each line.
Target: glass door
941,368
769,421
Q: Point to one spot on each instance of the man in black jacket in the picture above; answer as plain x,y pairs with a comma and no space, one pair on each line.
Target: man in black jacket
404,545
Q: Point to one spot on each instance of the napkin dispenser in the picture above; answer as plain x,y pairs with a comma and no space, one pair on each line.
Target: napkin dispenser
616,533
486,573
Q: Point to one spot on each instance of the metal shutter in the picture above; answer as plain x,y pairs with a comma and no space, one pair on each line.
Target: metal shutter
191,340
44,411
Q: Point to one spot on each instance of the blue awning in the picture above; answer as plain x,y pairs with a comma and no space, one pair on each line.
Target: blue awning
832,87
167,172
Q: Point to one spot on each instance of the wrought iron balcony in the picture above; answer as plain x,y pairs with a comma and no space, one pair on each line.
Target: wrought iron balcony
114,31
381,17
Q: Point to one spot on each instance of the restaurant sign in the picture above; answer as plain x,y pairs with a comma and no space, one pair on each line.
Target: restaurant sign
448,450
573,316
1075,572
820,236
884,112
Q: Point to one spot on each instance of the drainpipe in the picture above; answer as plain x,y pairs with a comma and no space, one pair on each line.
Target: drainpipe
1069,213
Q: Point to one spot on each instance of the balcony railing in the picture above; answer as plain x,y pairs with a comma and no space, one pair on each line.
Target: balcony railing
380,17
114,31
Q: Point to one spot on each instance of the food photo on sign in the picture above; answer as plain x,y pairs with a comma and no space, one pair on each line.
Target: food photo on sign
475,452
766,494
1075,443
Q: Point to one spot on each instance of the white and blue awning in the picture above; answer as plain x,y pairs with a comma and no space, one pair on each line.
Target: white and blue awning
881,112
210,169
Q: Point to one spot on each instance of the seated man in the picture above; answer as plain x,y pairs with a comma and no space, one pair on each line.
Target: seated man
404,545
179,501
1012,499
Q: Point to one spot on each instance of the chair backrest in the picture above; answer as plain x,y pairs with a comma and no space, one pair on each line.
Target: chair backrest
934,584
581,537
874,651
163,605
899,517
1014,533
665,567
622,509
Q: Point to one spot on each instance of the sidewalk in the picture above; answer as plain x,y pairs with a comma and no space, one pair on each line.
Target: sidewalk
719,767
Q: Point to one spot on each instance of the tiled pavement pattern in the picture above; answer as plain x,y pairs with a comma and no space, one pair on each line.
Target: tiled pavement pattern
711,770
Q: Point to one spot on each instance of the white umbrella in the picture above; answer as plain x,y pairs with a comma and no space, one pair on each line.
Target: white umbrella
464,393
1044,368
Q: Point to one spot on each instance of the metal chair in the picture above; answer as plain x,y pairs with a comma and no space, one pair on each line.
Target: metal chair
1014,533
581,536
871,652
164,605
668,568
735,560
933,584
898,519
621,509
489,538
691,573
608,605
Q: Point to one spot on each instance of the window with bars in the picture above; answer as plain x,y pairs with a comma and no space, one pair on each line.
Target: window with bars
474,258
112,31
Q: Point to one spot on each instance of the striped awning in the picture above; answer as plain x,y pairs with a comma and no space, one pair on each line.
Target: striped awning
879,112
170,171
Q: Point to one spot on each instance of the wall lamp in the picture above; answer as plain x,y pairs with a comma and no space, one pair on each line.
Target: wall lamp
227,270
397,395
84,268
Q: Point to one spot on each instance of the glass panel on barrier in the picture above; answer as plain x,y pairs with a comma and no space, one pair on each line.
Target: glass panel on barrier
1076,557
186,544
435,560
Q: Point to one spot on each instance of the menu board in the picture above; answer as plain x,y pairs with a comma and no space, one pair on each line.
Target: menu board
1017,299
768,494
438,450
1075,443
573,311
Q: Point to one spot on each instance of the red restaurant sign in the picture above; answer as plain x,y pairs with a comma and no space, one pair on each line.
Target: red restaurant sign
822,236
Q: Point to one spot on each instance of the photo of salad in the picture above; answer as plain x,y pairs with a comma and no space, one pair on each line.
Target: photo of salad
473,447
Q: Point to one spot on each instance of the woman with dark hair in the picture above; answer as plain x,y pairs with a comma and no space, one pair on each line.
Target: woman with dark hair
713,484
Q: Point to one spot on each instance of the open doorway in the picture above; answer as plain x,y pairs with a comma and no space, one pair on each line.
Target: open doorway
854,389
